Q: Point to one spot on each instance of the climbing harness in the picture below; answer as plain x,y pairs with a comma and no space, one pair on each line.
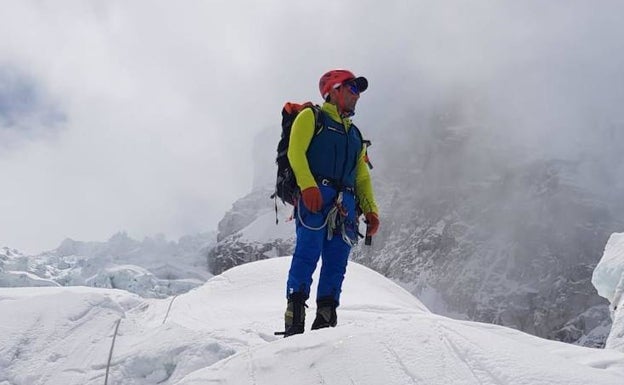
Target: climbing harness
336,219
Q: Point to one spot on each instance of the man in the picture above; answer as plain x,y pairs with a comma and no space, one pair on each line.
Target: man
331,170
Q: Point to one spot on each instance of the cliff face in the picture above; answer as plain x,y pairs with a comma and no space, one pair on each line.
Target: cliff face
518,250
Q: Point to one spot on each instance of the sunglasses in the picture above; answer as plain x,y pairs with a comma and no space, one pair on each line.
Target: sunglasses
352,87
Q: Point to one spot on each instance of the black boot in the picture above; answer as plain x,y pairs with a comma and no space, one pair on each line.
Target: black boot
325,313
294,318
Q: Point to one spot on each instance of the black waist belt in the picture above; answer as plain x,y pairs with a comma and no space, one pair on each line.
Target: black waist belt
335,185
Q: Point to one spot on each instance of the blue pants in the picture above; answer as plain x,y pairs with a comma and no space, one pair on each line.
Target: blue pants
312,244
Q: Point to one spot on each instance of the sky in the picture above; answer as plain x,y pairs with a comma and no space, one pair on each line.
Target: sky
143,116
223,332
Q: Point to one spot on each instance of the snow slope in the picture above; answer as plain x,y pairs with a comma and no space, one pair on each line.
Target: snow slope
222,332
608,279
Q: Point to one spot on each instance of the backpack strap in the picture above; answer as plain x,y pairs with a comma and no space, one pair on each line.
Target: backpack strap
366,143
319,119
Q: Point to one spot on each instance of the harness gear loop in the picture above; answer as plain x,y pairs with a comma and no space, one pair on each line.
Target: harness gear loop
333,216
299,203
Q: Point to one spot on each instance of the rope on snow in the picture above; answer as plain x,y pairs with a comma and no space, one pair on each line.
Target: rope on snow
170,303
110,354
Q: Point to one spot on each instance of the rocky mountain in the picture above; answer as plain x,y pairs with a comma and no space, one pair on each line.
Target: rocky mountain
518,250
249,232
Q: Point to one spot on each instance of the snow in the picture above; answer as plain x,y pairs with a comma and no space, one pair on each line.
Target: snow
222,332
608,279
23,278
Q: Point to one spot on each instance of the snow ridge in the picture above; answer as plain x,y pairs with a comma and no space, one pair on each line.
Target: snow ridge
222,332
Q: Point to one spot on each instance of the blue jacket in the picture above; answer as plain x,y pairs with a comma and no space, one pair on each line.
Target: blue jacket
334,151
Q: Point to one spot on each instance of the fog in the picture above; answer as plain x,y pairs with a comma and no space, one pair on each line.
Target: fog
142,116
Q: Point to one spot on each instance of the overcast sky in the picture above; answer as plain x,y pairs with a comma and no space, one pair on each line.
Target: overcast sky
140,115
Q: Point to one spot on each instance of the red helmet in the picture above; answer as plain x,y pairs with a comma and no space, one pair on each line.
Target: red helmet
335,78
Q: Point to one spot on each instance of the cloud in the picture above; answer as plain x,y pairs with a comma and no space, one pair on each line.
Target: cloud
161,103
25,111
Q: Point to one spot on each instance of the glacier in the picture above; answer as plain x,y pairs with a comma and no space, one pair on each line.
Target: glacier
154,267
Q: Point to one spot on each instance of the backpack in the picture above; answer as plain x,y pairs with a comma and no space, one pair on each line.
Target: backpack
285,185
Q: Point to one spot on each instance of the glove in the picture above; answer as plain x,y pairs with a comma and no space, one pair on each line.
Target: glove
312,199
372,221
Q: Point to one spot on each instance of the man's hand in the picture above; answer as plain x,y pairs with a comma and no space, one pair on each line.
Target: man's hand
312,199
372,226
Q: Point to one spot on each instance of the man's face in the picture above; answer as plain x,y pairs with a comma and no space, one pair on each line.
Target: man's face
347,96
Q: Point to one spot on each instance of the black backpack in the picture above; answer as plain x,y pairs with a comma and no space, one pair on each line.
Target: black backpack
285,185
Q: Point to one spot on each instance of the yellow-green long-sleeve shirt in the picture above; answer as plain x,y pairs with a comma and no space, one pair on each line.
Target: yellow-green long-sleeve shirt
300,137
